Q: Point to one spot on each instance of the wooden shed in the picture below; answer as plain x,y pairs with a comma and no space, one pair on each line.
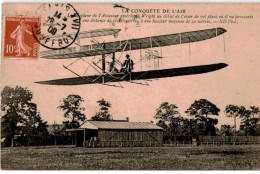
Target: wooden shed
118,134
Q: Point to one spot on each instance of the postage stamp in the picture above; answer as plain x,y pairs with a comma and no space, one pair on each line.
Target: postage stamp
19,40
59,27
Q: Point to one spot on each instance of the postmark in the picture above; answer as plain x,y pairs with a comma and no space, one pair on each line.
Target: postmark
19,40
59,27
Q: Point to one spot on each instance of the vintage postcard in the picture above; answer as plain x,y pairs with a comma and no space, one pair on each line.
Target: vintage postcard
130,86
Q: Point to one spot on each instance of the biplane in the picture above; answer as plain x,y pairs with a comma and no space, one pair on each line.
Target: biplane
108,50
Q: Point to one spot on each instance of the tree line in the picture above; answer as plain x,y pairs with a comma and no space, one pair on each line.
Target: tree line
199,119
20,116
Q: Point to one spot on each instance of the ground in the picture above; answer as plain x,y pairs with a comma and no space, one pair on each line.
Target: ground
138,158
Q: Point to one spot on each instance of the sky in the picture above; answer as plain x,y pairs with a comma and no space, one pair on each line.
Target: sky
236,84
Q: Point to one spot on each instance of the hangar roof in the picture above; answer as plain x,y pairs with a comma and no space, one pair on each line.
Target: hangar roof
119,125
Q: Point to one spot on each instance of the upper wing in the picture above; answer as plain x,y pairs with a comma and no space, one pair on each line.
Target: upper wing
135,44
70,54
98,33
92,33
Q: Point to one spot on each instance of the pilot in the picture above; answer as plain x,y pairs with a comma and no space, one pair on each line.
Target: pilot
128,64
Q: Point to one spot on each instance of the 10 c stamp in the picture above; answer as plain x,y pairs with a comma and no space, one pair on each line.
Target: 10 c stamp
19,40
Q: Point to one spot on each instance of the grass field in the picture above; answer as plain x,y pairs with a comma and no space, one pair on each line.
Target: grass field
138,158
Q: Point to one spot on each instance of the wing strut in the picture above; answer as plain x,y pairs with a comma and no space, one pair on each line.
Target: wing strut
123,49
103,67
224,46
141,57
189,49
181,49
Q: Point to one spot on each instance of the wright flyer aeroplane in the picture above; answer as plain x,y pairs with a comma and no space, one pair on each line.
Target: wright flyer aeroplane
109,68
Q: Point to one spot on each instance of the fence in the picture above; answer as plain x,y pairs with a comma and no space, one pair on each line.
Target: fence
179,140
43,140
211,140
176,141
121,144
229,140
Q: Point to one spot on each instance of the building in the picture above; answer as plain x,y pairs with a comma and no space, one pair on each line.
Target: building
117,134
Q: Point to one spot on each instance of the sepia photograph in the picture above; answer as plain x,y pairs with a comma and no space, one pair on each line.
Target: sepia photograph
130,86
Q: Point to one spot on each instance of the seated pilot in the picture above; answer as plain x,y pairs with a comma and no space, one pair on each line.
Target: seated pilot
128,65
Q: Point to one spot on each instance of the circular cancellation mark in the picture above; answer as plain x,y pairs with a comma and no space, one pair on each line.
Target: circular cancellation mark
59,27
